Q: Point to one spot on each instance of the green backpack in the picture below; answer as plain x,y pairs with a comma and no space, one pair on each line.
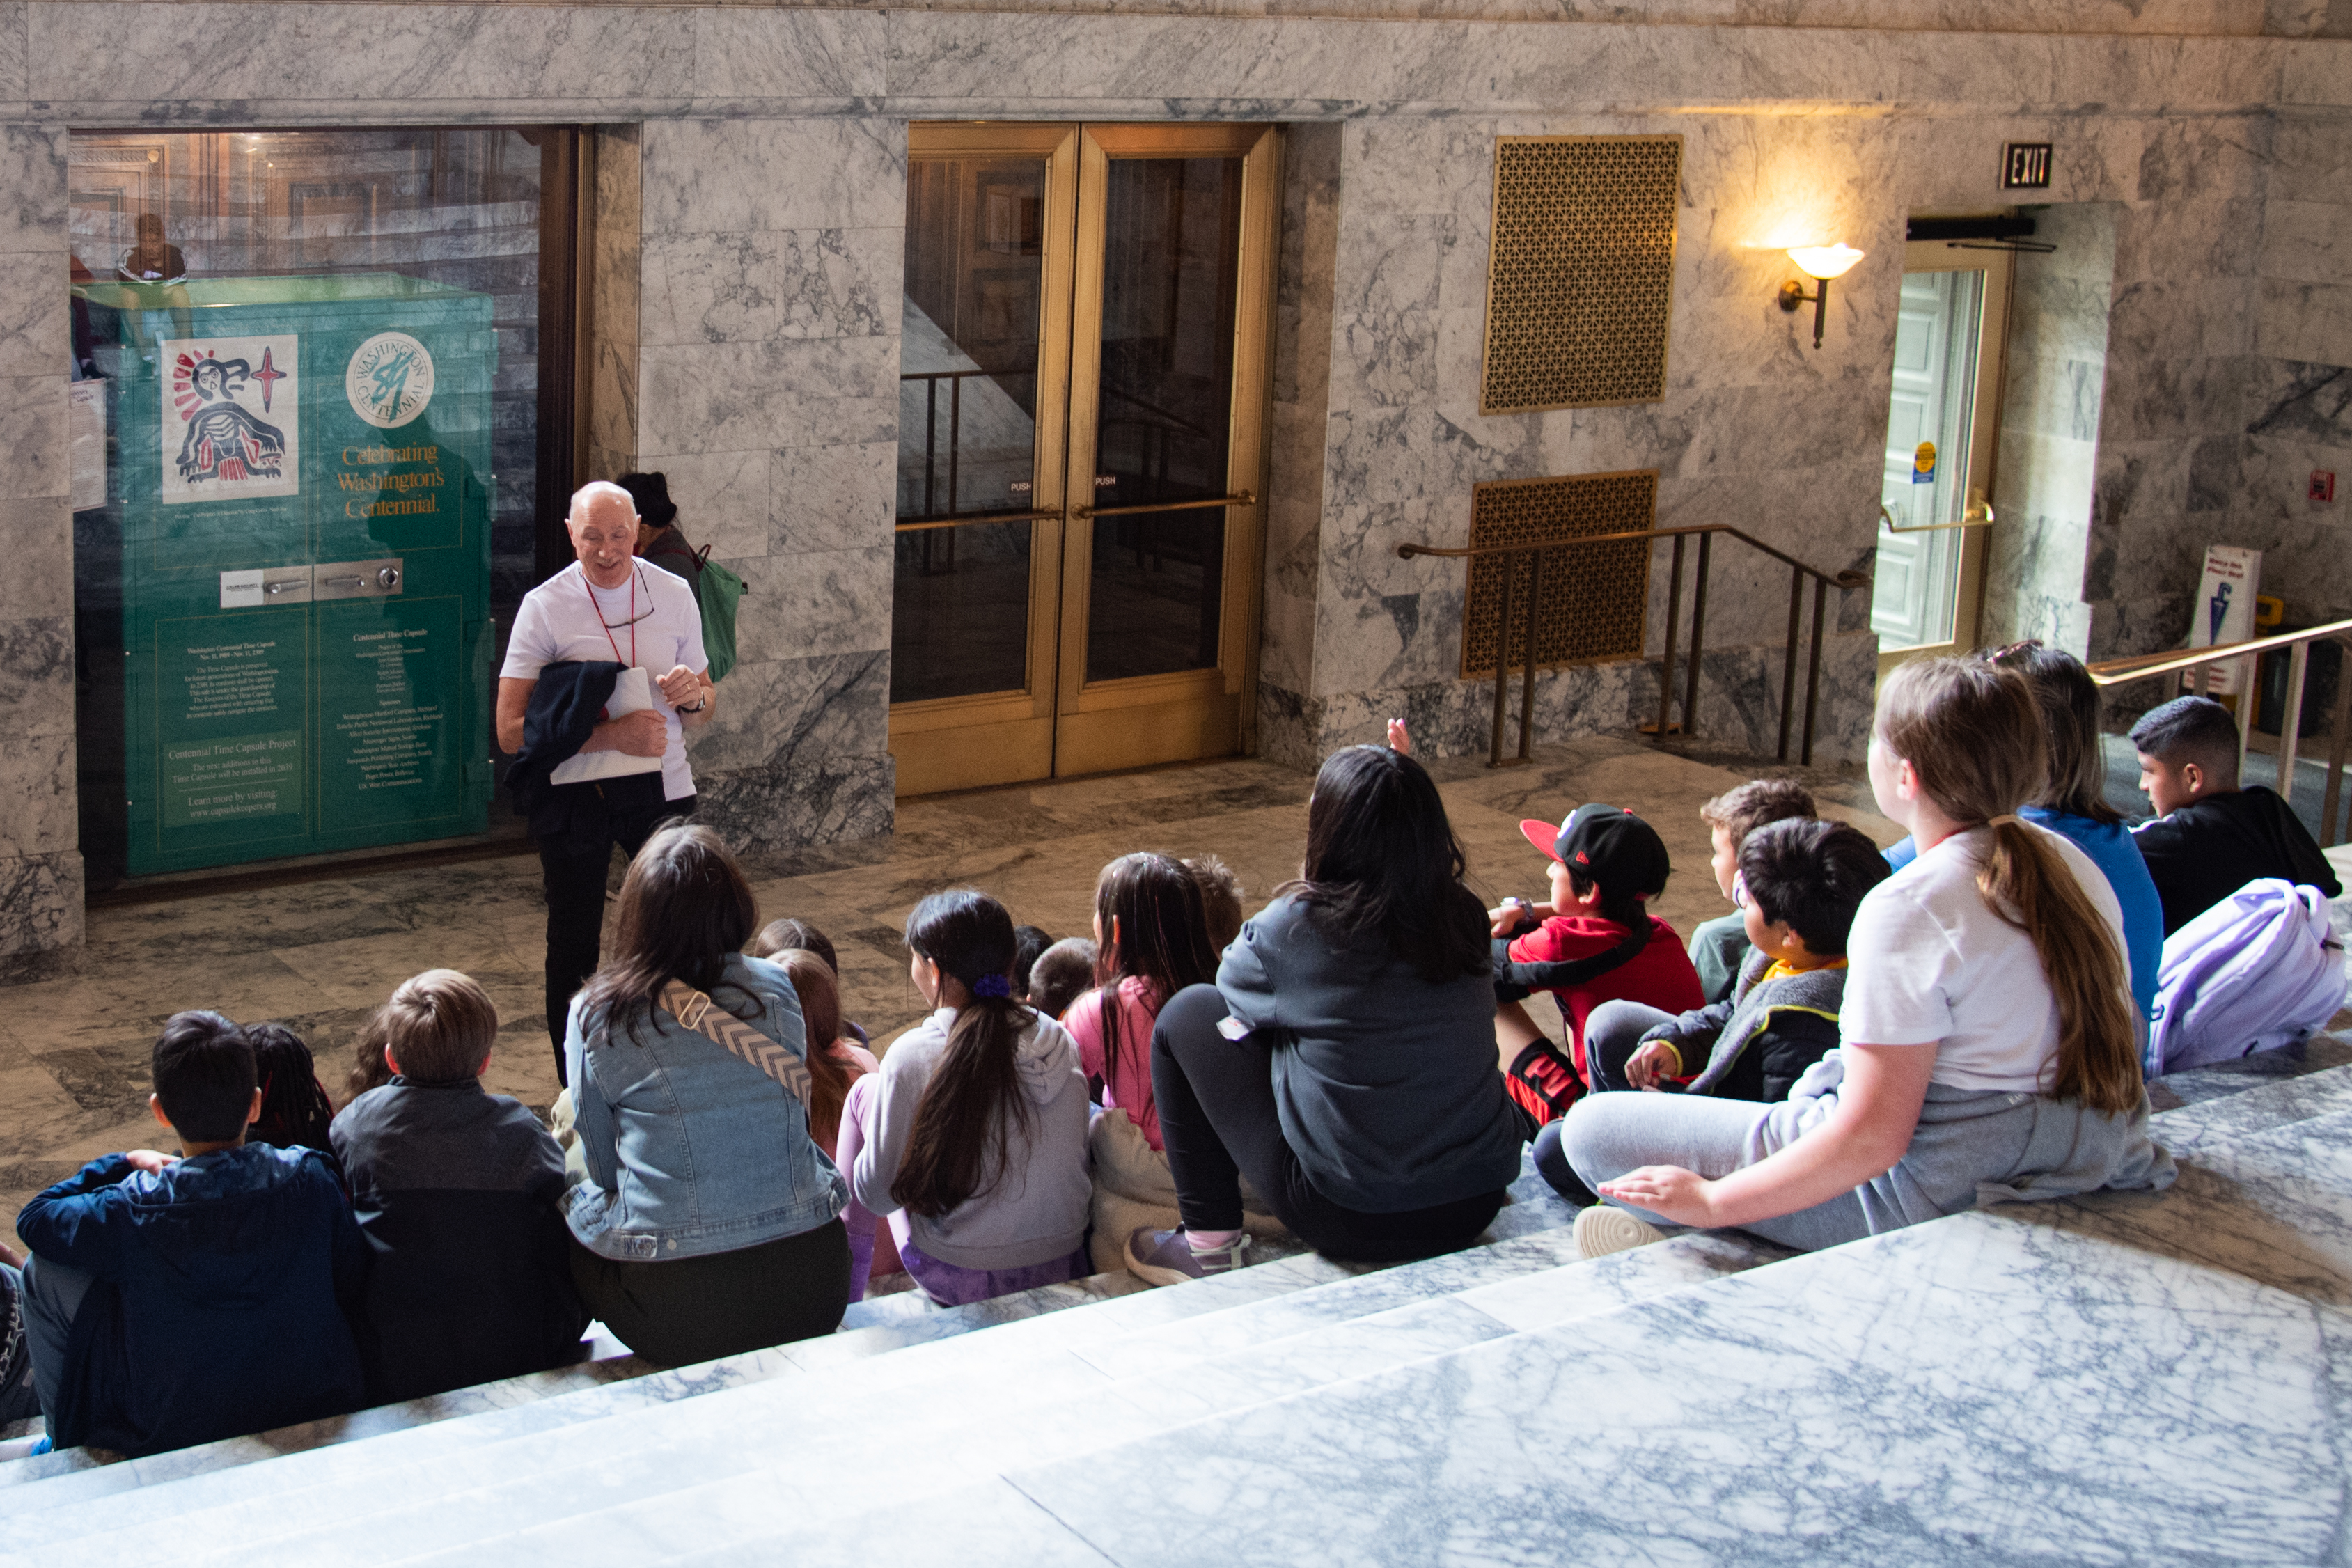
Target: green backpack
721,590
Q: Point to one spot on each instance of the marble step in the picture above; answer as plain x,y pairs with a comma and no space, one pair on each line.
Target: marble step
949,1434
985,1379
2275,1102
1968,1390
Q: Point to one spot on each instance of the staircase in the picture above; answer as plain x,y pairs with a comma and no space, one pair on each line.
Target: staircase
2118,1377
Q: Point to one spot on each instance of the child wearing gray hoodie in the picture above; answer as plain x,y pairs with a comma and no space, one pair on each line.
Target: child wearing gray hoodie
972,1140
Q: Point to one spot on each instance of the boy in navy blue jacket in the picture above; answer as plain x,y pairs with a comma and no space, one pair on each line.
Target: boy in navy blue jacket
172,1302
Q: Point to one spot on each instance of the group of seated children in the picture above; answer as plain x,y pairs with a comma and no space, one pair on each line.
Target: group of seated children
1867,1040
246,1284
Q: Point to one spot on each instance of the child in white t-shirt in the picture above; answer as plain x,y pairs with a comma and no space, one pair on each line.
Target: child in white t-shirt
1990,1047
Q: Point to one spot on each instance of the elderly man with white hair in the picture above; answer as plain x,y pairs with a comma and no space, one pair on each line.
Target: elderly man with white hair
607,605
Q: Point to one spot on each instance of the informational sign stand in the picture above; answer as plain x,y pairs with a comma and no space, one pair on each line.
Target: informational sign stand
303,468
2224,612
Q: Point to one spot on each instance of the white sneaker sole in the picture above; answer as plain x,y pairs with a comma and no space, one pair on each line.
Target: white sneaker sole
1602,1231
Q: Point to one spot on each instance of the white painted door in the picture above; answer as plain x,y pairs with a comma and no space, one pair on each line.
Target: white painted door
1936,339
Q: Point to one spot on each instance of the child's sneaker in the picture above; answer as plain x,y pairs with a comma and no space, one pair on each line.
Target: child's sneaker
1603,1229
1166,1256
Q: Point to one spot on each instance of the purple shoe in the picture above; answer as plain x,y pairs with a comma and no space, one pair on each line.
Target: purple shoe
1166,1257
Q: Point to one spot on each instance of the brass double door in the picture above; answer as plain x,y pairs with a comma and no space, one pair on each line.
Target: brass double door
1082,434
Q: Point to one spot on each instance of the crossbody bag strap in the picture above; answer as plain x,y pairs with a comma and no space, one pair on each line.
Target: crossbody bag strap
705,1017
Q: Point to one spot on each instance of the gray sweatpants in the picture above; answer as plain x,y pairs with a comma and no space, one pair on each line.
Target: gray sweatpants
1971,1147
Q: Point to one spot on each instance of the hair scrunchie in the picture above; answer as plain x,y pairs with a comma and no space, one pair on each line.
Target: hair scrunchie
991,985
2006,816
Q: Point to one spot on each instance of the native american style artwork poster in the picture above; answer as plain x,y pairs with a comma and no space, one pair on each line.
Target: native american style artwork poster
231,418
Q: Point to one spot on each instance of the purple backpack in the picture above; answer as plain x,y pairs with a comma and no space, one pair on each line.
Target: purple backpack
2258,970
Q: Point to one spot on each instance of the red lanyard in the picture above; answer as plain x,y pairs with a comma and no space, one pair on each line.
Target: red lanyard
589,589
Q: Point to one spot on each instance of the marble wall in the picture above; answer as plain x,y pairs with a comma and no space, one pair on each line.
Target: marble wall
2053,389
40,863
749,202
753,358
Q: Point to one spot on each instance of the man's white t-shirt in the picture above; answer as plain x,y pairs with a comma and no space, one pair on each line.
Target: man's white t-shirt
1928,964
557,622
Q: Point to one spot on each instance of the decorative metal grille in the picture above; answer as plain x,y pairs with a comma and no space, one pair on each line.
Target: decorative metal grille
1580,277
1595,598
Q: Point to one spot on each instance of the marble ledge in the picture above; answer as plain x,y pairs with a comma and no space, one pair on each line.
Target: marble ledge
814,62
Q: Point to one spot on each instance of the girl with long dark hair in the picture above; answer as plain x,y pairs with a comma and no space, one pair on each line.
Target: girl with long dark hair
1151,941
1989,1047
1344,1060
973,1138
708,1222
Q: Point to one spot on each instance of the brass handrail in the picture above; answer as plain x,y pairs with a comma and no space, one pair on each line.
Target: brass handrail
1239,498
1706,533
2173,661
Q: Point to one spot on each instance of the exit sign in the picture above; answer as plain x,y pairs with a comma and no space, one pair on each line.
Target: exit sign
2025,166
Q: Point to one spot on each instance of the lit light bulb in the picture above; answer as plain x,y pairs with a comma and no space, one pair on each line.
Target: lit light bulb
1824,262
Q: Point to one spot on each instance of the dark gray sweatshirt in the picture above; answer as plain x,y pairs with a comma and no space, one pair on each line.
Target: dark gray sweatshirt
1386,1084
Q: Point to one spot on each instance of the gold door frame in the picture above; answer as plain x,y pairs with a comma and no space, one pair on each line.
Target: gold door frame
963,742
1144,720
1060,725
1984,433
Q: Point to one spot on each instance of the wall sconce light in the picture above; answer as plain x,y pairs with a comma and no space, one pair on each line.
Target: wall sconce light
1821,263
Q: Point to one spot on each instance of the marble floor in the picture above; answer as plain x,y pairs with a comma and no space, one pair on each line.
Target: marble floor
76,1031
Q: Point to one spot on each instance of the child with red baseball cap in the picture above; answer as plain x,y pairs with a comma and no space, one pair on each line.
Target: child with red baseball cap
1592,941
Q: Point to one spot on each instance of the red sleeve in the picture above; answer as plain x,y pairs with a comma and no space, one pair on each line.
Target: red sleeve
1554,942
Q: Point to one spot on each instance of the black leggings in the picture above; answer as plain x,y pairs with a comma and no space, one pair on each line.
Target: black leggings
1218,1120
574,876
691,1309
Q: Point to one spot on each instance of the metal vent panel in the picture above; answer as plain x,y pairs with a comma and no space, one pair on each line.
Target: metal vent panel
1595,598
1579,277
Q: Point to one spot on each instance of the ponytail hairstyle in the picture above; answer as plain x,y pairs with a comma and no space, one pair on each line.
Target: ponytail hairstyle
965,1121
829,1075
1154,904
1973,736
2068,705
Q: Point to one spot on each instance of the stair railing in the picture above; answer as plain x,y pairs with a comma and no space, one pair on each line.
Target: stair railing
2247,655
1798,574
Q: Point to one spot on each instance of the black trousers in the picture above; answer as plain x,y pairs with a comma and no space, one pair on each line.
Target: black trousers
693,1310
573,871
1218,1120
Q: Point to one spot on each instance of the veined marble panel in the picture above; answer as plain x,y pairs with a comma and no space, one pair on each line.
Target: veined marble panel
742,176
32,166
33,431
824,801
41,901
795,606
734,396
776,712
841,497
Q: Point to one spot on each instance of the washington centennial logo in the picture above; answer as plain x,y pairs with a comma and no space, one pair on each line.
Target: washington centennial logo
230,427
388,380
